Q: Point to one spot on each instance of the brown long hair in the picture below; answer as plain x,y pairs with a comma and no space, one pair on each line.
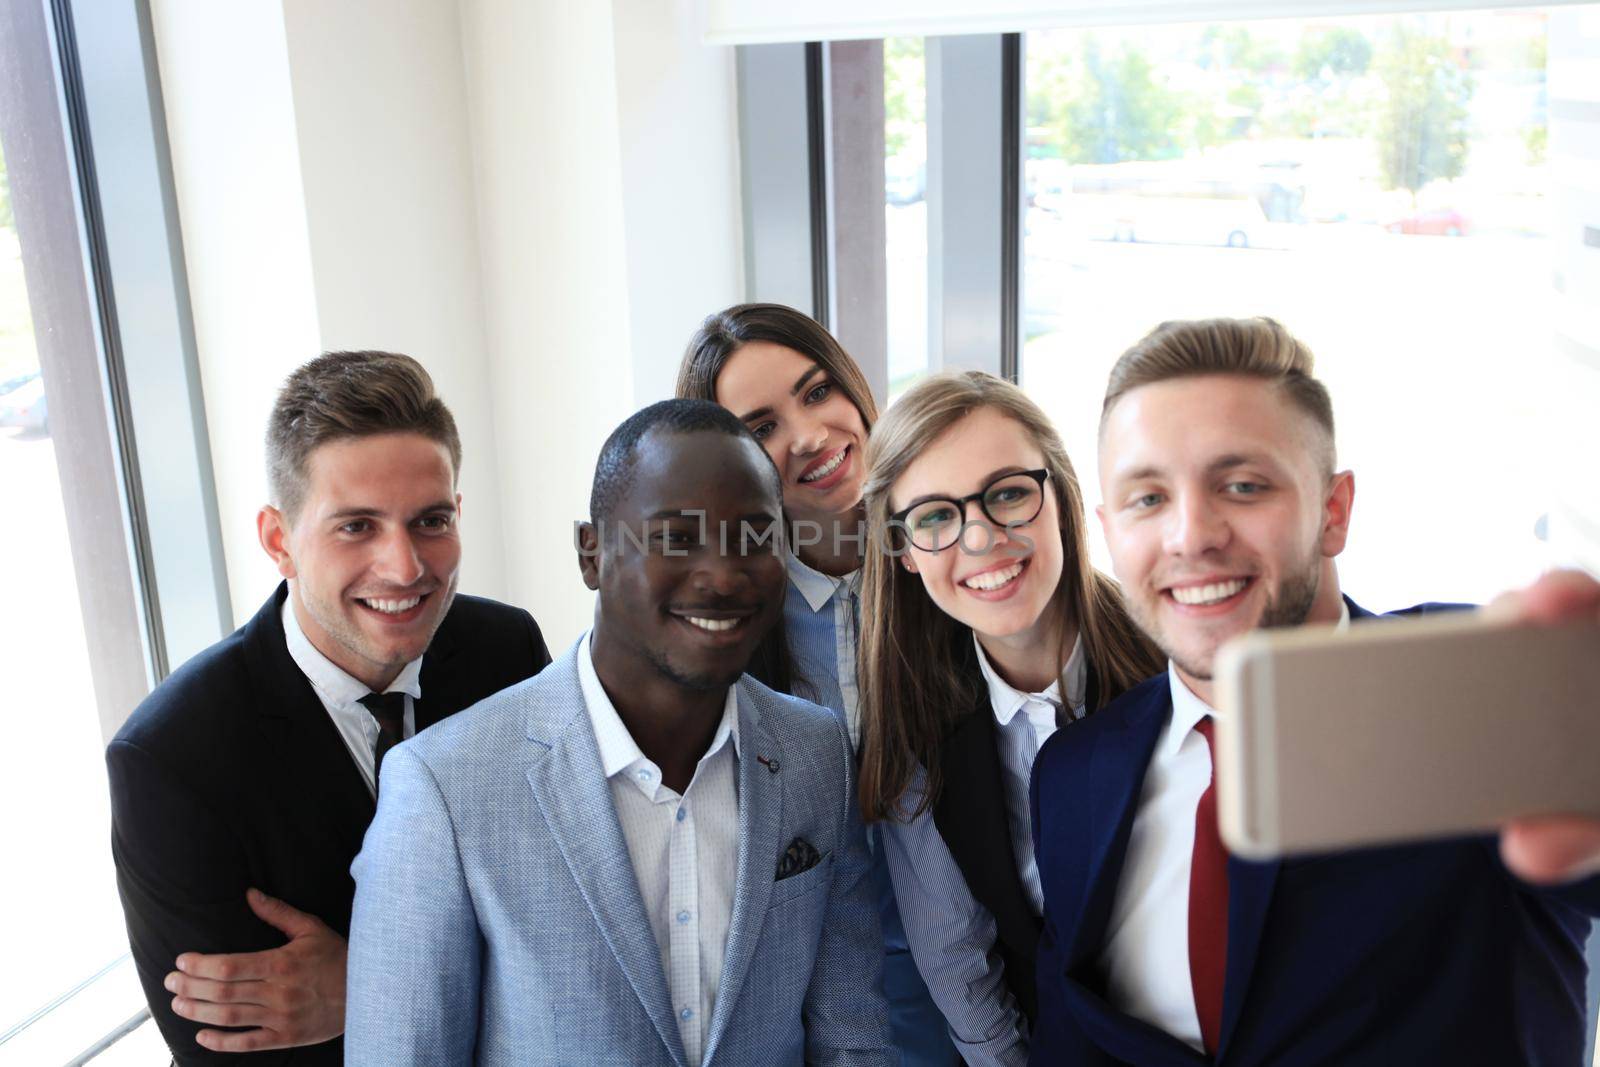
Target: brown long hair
725,332
721,335
917,675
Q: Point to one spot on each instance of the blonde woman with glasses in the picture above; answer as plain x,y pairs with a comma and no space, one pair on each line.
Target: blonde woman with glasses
983,630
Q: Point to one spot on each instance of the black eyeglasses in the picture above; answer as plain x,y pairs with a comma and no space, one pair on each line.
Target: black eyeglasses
1009,501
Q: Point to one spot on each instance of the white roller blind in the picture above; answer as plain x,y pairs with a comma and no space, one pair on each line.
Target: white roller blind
770,21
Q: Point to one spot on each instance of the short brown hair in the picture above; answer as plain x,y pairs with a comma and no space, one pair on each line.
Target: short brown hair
349,394
1255,348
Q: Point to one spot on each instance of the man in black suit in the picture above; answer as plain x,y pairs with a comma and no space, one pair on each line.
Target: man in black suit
242,786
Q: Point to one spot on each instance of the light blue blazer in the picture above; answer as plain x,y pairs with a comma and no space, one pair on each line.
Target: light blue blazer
498,918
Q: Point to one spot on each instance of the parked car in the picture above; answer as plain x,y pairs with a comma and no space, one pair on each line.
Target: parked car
17,381
24,406
1440,222
905,180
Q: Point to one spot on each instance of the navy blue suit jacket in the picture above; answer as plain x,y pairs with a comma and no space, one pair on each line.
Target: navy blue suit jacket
1429,953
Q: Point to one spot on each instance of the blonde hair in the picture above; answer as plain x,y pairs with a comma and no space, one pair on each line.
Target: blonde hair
1254,348
918,676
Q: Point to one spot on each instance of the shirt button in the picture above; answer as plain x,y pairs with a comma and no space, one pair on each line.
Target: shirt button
686,1014
683,916
644,776
682,813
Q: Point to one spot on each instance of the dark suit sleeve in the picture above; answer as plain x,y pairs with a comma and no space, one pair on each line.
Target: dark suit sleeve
182,878
541,654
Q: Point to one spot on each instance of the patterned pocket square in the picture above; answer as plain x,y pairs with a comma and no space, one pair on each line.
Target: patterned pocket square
799,857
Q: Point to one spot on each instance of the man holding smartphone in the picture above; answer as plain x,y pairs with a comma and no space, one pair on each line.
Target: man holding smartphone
1224,512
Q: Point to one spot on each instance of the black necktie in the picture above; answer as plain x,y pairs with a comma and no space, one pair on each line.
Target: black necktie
390,711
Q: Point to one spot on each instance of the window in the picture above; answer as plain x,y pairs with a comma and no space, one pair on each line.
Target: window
108,587
905,188
1380,185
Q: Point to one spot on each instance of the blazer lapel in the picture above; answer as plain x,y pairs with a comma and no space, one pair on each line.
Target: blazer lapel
435,680
760,829
1250,888
971,816
1117,767
318,769
575,798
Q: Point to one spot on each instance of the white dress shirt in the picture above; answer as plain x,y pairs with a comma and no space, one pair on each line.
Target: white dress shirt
684,849
1026,721
341,695
1146,953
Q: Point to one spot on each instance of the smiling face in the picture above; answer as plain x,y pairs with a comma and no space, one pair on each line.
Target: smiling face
996,582
373,552
689,567
804,420
1218,513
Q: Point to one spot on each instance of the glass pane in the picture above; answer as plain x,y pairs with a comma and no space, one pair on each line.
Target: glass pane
905,185
68,980
1377,184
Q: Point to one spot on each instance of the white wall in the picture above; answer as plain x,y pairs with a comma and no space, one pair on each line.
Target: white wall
537,199
542,98
677,116
236,167
390,208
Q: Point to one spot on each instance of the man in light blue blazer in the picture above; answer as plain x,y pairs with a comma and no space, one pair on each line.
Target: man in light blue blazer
638,857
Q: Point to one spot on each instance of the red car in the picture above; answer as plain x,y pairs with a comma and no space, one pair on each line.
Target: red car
1444,222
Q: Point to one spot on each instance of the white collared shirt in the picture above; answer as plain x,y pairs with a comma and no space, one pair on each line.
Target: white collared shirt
684,850
1026,721
822,623
1146,954
341,695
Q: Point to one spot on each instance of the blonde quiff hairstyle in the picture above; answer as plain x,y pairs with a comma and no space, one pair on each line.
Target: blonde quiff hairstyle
918,676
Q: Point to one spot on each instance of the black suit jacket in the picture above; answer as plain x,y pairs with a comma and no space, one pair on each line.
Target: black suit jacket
231,774
970,814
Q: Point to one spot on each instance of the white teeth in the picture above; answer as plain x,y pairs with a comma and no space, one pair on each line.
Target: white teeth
716,626
1208,594
990,580
827,468
392,607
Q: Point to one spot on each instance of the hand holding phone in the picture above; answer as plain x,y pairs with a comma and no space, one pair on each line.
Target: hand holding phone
1399,730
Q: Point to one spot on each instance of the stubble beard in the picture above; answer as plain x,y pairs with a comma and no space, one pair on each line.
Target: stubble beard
697,682
1289,607
347,634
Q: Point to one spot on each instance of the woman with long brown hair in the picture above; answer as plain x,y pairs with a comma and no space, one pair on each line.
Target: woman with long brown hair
984,628
809,405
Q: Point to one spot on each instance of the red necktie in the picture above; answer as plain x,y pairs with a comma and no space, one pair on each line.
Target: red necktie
1208,908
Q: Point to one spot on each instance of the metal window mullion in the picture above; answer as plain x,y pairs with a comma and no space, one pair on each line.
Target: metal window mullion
1011,205
103,294
817,173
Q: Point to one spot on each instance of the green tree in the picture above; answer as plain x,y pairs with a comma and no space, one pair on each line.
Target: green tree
1236,48
1423,125
1340,52
1118,110
905,92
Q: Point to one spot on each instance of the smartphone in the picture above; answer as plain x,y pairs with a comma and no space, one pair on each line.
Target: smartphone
1398,730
